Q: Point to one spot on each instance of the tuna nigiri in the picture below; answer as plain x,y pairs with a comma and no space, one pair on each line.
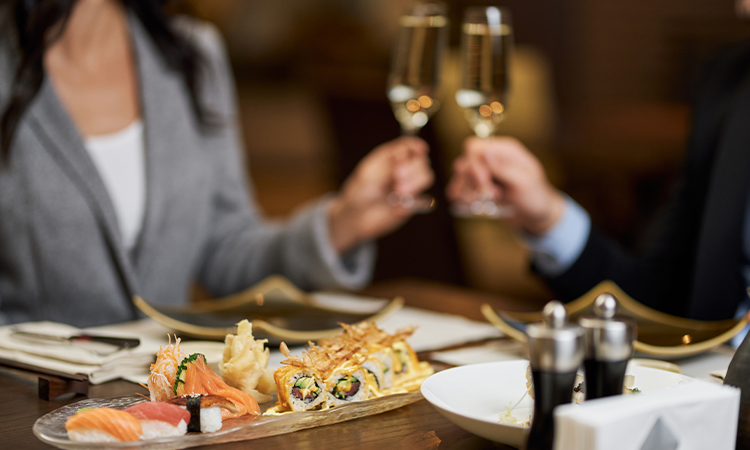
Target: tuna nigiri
160,419
103,425
195,377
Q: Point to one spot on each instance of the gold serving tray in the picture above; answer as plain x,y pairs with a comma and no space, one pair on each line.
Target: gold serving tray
659,334
278,310
50,428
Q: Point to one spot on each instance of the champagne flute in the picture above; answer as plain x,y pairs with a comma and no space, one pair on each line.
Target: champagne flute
486,44
415,77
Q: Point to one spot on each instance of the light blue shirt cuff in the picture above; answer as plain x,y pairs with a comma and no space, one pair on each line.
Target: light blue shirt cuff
742,310
555,251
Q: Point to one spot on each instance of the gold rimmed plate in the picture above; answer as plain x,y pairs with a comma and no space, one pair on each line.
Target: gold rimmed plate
659,334
278,310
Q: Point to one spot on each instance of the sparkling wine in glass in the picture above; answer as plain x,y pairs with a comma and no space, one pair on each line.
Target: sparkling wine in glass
415,71
414,79
486,44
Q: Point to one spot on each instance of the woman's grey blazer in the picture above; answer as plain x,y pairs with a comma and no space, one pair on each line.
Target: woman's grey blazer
61,256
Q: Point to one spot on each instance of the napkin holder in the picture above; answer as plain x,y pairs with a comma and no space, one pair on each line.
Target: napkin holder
695,415
659,334
278,310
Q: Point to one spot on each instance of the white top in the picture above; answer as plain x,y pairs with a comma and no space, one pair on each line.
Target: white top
120,159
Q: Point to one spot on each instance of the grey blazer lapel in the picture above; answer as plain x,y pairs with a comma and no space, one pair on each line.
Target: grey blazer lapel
168,128
61,140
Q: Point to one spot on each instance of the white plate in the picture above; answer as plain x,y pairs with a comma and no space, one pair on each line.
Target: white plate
474,396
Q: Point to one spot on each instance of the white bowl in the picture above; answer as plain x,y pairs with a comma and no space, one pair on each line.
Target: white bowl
474,396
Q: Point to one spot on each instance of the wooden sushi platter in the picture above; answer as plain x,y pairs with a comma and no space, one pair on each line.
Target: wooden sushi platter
50,428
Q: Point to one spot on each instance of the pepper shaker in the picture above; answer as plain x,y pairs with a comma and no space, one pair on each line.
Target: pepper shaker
608,346
555,353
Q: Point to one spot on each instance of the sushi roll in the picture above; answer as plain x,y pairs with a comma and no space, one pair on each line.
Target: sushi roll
205,411
385,356
300,389
347,384
375,374
160,419
103,425
404,360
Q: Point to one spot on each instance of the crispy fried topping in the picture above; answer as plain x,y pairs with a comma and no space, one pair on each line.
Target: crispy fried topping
353,345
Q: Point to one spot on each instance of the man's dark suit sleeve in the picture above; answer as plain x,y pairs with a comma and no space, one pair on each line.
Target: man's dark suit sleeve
662,277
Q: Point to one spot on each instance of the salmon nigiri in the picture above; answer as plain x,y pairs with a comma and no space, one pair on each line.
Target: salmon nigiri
195,377
103,425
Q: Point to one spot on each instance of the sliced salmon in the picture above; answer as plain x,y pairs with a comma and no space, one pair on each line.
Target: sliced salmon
200,379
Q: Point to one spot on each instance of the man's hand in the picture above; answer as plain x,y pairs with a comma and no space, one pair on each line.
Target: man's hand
504,169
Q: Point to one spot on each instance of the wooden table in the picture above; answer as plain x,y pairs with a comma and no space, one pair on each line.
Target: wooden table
417,426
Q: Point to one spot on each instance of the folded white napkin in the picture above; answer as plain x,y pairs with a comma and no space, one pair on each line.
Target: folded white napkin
693,416
100,362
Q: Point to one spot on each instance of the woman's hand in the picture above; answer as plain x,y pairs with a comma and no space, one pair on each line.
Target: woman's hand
361,210
514,177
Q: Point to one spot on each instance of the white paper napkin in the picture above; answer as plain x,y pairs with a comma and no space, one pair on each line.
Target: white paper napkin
72,358
691,416
493,351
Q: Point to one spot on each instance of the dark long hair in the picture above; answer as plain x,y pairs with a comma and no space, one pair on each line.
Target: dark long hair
35,19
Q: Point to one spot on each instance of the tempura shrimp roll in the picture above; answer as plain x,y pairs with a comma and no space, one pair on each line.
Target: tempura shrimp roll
300,389
347,384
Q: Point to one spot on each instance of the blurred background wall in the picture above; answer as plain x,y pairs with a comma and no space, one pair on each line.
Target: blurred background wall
601,94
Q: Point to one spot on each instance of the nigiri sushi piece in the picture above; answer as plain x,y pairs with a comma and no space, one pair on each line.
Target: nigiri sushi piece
195,377
204,411
160,419
103,425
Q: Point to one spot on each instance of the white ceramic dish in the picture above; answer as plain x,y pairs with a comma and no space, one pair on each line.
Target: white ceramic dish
474,396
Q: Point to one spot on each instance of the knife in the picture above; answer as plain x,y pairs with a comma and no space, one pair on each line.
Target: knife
83,337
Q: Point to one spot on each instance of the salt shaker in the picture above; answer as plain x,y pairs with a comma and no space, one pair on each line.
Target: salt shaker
555,353
608,346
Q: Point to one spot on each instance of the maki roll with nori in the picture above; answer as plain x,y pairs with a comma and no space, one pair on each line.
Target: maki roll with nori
300,389
347,384
384,355
375,374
